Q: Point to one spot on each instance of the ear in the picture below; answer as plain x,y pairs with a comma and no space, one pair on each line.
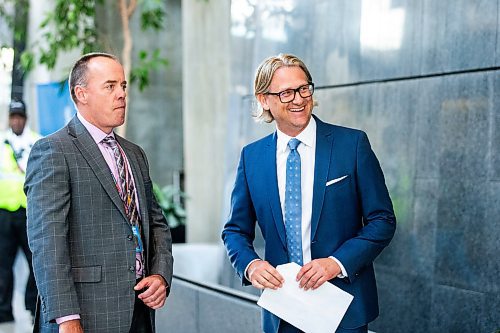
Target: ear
262,98
81,94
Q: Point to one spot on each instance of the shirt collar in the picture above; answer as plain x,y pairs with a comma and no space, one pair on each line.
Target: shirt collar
96,133
307,136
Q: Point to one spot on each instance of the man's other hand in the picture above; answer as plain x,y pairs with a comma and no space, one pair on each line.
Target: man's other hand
313,274
263,275
155,294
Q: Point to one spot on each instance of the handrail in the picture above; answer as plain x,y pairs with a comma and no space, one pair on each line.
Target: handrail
219,289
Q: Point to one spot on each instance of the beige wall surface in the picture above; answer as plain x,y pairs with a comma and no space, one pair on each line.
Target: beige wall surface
205,101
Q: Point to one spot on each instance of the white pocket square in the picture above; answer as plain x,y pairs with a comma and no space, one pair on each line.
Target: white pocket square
336,180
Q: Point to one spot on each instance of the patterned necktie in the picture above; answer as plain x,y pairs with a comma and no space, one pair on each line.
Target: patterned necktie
293,204
127,191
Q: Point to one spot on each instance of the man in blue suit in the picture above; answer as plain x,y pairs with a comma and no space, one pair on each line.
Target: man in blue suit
318,194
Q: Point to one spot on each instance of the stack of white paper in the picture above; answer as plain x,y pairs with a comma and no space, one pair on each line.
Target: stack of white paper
312,311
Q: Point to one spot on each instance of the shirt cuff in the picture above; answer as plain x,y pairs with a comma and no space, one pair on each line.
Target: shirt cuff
61,320
343,273
246,269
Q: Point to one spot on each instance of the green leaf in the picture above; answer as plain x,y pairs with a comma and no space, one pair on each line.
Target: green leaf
152,19
47,20
27,61
169,200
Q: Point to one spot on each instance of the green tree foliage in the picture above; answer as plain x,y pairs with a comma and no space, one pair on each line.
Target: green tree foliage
7,8
140,72
170,199
71,26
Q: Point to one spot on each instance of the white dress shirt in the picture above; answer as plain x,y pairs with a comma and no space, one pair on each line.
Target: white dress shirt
307,152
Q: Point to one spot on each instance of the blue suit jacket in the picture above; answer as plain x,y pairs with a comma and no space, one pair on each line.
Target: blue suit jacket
352,220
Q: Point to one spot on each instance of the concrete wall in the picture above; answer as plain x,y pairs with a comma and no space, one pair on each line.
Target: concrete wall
154,114
206,61
156,118
193,308
420,77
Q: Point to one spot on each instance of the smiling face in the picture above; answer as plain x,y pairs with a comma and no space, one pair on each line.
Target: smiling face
292,117
101,100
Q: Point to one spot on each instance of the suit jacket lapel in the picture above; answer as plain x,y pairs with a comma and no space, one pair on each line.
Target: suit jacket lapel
324,144
87,146
272,186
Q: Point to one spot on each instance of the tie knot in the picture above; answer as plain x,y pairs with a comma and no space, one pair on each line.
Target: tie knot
293,143
110,142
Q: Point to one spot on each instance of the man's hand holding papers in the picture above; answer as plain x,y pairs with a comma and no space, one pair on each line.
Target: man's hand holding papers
317,310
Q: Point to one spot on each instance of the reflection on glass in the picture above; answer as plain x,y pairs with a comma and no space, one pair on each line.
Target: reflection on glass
381,25
274,16
271,16
241,13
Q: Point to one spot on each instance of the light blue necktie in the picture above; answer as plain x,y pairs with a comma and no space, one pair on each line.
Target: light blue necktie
293,204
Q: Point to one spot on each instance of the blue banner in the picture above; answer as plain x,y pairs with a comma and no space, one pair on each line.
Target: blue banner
55,107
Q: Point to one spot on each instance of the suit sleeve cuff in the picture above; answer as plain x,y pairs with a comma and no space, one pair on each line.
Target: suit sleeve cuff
246,269
343,273
61,320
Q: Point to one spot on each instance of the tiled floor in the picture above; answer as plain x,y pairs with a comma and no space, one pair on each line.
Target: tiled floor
23,320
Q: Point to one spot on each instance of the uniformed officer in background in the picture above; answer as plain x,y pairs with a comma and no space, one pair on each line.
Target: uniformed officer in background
15,147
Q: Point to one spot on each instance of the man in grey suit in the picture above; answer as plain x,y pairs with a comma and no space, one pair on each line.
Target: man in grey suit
101,246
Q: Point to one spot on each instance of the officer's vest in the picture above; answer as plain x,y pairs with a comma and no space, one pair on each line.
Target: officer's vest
12,195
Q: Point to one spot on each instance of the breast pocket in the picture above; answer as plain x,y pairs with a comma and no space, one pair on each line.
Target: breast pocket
337,182
340,190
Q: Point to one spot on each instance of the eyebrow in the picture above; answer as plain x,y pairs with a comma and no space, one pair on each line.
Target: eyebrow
290,88
114,82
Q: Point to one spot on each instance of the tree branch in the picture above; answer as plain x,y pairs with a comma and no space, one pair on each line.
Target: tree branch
131,7
125,12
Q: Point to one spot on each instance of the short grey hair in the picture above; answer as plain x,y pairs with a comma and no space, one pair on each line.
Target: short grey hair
264,76
78,74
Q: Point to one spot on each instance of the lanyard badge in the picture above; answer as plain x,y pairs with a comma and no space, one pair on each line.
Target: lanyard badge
137,235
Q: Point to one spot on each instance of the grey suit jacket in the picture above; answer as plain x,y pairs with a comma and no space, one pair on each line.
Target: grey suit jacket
83,252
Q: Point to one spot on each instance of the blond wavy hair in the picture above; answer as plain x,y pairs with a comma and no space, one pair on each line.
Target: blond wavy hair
264,75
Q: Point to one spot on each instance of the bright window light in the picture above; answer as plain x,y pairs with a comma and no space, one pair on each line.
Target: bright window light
381,25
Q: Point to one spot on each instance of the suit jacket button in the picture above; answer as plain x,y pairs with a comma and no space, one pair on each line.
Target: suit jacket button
129,237
131,268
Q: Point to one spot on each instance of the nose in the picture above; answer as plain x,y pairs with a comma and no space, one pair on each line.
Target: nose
122,93
297,99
